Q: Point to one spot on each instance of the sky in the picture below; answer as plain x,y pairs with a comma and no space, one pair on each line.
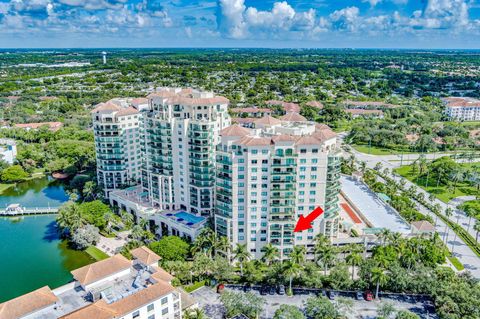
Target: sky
438,24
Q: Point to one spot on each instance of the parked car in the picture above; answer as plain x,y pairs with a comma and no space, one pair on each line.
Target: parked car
281,289
324,293
271,290
247,287
331,295
359,295
264,290
368,295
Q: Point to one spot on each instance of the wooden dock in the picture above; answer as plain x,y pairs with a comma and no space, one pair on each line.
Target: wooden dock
29,211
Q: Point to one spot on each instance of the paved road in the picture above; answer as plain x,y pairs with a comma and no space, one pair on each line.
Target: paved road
466,256
209,301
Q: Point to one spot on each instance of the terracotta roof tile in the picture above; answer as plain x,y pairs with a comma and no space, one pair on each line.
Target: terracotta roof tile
28,303
293,117
235,130
268,120
315,104
254,141
101,269
145,255
308,140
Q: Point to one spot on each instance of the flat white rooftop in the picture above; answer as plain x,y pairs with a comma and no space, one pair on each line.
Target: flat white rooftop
378,213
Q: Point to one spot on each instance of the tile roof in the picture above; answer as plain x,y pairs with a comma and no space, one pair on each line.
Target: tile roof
127,111
254,141
287,106
461,102
93,311
250,110
308,140
101,269
324,134
315,104
162,274
107,106
364,112
28,303
293,117
235,130
145,255
283,138
139,299
268,120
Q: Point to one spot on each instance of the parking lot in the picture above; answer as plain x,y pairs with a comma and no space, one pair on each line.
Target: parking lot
209,300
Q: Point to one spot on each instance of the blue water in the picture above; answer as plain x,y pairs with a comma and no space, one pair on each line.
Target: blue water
38,192
189,217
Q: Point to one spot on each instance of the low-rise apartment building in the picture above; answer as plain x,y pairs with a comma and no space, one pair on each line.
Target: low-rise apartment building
268,176
462,108
114,288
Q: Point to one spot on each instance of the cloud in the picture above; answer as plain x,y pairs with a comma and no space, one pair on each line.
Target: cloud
347,19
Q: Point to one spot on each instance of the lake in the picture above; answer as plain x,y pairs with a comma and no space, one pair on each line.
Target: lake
38,192
32,254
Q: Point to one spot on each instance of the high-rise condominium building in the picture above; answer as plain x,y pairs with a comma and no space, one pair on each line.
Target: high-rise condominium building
117,142
268,176
462,108
180,131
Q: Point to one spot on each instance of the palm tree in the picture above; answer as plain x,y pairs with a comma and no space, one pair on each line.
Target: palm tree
379,277
270,254
448,213
384,235
196,313
298,255
143,223
223,245
109,221
457,176
354,259
241,254
325,257
127,218
476,227
471,213
137,232
291,269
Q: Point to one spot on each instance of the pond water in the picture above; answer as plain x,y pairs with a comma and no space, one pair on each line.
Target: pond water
32,254
38,192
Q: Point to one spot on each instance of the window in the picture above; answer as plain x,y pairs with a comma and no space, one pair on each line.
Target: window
254,161
136,314
151,317
164,311
150,307
254,151
164,300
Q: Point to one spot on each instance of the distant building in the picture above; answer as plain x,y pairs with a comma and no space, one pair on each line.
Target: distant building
316,104
355,113
108,289
268,176
368,105
104,57
286,106
8,150
251,112
53,126
462,108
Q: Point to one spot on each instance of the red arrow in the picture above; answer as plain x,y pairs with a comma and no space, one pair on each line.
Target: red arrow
304,223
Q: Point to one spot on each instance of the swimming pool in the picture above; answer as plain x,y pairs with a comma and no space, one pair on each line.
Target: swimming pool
189,218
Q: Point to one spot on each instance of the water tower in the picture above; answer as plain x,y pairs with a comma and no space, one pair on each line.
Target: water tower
104,55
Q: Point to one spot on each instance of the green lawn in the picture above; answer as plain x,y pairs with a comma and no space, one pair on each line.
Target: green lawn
373,150
441,192
96,253
4,187
194,286
456,263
